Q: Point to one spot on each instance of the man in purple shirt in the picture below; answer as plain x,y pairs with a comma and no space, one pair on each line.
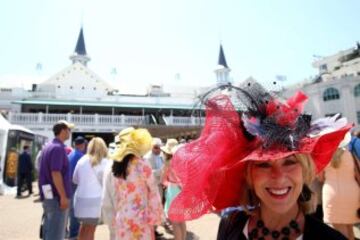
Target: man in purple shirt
55,183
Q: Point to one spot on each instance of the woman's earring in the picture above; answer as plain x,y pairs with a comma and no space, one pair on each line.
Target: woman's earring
305,194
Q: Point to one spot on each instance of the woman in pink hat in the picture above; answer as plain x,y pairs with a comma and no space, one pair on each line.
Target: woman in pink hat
262,158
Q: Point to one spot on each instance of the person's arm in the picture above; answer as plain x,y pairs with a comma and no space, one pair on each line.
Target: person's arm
321,176
75,176
155,210
37,161
59,185
107,204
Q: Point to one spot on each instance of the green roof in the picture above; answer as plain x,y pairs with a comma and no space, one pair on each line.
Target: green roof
107,104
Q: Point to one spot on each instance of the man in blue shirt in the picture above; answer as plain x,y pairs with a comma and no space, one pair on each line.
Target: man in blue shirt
354,145
74,157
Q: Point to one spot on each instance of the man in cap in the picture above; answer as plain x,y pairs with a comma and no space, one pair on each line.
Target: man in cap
74,156
55,183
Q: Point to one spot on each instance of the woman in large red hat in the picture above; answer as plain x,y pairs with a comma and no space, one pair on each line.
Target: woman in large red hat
261,154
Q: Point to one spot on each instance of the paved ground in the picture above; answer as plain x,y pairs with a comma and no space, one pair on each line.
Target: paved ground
20,220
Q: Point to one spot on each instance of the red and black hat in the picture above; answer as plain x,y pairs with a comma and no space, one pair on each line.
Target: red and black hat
262,127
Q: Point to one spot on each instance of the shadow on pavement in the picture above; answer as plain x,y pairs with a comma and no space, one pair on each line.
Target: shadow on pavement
22,196
189,236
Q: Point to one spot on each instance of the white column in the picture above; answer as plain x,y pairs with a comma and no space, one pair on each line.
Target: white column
40,117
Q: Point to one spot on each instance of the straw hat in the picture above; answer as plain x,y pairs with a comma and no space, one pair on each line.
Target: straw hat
132,141
170,146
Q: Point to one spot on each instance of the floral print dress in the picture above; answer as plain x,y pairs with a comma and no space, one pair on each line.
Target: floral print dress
137,203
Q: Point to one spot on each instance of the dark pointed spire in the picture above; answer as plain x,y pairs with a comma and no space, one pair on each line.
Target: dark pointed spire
80,45
80,54
222,60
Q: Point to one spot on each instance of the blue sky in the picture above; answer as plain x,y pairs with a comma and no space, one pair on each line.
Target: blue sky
150,41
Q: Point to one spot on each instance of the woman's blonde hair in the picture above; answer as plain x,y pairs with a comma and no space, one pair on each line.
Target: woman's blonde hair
249,198
96,150
336,158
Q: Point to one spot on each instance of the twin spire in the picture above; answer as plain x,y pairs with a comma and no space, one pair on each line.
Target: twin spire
80,45
80,54
222,60
222,71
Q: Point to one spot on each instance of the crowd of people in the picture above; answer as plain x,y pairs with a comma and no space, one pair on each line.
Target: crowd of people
129,189
270,172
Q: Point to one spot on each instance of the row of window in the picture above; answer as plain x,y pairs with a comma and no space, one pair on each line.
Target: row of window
333,93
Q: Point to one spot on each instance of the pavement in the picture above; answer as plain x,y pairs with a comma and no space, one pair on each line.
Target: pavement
20,220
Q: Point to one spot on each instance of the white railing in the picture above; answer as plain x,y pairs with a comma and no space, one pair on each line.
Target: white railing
98,120
183,121
77,119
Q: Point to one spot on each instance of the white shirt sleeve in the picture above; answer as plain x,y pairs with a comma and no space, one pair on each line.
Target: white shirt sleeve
107,201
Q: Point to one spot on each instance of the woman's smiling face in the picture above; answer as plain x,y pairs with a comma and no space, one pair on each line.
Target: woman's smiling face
277,183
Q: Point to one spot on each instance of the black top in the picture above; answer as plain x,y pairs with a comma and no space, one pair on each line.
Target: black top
231,228
25,164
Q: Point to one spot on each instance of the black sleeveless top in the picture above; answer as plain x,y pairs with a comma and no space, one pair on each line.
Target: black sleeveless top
231,228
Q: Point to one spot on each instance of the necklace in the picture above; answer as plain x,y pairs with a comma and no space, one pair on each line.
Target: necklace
261,231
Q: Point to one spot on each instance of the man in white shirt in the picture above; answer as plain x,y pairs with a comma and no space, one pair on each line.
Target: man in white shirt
156,161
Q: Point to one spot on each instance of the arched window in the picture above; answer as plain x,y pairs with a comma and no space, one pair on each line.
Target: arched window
331,94
357,90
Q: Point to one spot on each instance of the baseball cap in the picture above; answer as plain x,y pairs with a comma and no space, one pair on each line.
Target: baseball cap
62,124
79,140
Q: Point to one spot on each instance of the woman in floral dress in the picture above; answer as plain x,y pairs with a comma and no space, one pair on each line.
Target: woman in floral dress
131,202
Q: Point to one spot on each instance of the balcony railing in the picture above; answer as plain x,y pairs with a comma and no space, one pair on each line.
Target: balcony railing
97,120
77,119
183,121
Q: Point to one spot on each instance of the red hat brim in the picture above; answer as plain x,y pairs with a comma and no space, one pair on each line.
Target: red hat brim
320,148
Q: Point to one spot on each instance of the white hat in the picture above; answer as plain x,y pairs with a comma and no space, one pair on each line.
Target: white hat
157,142
170,146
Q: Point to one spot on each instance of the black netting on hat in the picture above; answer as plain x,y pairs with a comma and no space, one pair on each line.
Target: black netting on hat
276,121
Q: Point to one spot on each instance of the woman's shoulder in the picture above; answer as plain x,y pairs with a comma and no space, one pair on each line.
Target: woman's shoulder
315,229
84,160
232,224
